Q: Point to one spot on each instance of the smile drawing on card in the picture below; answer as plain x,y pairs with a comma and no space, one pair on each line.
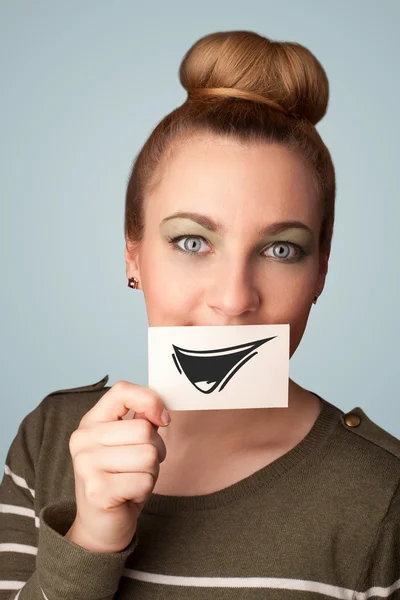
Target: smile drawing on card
207,369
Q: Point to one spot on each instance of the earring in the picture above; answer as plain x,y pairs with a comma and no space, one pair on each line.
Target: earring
315,299
133,283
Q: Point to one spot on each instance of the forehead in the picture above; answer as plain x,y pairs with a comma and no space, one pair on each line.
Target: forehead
232,181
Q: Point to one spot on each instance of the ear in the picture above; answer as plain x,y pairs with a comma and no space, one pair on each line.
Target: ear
132,259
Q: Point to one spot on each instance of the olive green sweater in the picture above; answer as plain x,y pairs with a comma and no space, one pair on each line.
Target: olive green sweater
321,521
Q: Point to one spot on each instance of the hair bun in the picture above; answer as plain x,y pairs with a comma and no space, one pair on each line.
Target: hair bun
286,73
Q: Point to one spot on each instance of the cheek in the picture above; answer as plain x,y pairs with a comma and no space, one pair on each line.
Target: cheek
298,324
293,302
295,311
292,286
169,296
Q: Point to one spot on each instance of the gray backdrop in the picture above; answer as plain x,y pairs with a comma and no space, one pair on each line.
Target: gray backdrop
82,85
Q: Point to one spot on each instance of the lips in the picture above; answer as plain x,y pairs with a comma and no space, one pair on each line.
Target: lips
207,369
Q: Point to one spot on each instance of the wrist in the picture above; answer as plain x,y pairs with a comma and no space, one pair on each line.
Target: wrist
76,535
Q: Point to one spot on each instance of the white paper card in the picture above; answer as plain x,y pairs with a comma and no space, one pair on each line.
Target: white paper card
217,367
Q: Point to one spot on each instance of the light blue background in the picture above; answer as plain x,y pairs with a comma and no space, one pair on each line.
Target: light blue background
83,83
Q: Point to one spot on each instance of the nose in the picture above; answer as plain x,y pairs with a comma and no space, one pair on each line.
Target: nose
233,292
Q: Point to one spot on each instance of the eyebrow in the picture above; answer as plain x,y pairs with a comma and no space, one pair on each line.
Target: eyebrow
212,225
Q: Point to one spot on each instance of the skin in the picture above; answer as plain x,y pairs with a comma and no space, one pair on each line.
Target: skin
232,278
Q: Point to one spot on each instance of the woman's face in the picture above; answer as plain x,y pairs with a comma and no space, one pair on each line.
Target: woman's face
210,255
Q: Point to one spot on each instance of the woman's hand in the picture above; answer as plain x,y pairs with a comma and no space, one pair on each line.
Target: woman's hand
116,465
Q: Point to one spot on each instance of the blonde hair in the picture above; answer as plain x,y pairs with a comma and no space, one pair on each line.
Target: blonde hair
245,86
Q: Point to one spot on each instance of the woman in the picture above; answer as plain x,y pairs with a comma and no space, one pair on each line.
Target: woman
229,220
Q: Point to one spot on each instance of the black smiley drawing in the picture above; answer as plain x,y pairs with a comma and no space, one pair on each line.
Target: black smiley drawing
207,369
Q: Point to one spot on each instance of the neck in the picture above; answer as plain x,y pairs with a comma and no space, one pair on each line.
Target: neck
236,430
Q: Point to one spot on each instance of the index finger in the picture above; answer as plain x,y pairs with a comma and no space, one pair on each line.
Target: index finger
120,399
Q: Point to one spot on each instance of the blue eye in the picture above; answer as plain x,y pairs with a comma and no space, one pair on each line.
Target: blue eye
191,243
283,255
192,246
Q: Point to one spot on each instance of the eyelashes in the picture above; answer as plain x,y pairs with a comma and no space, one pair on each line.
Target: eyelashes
174,242
300,252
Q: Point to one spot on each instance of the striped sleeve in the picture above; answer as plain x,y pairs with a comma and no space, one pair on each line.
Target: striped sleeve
381,574
36,561
19,526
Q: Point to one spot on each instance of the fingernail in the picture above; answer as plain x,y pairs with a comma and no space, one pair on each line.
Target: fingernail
165,417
